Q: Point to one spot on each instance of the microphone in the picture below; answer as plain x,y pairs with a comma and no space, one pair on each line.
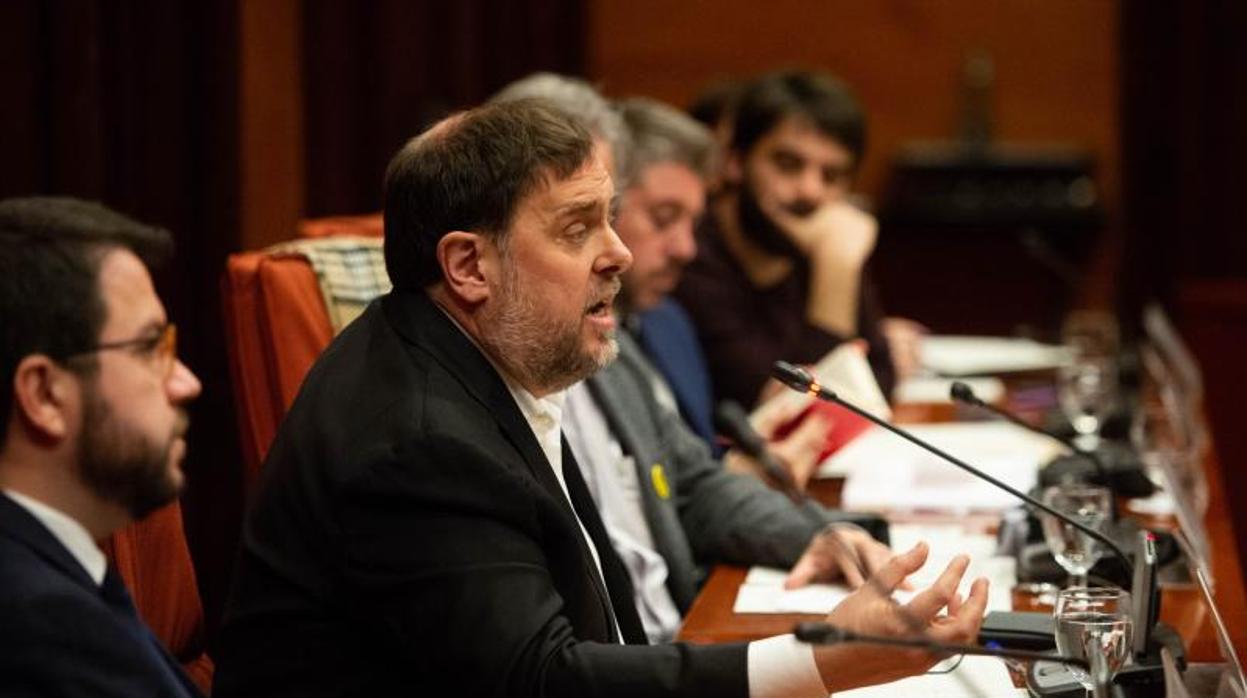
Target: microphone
1146,671
730,419
828,634
965,394
800,380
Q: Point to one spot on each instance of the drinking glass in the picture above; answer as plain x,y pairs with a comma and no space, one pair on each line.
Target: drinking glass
1087,386
1094,624
1088,381
1073,549
1091,332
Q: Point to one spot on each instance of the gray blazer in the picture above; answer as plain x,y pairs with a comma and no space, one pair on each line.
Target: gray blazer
698,513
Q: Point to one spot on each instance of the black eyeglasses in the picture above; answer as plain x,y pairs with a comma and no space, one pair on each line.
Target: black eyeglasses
163,346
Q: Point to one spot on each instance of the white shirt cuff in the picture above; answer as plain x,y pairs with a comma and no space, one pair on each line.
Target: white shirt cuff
781,667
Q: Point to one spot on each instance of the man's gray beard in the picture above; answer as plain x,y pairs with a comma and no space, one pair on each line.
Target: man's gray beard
537,352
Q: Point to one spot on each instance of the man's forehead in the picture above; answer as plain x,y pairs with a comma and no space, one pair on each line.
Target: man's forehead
128,293
589,187
664,171
800,134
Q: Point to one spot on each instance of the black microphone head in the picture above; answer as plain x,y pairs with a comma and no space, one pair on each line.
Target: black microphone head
728,415
963,393
792,376
731,420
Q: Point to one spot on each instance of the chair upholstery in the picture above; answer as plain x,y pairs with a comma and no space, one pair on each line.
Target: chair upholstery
152,557
276,325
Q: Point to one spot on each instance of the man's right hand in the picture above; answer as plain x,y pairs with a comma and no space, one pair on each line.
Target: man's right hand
871,610
838,233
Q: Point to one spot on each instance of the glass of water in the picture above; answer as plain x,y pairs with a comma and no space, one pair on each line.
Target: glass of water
1087,387
1073,549
1088,381
1094,624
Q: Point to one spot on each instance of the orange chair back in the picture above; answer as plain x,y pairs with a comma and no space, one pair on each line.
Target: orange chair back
276,325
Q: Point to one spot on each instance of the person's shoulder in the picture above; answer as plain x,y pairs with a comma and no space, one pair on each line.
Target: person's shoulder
668,319
34,590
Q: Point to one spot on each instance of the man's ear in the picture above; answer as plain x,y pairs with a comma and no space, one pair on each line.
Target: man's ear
466,261
43,394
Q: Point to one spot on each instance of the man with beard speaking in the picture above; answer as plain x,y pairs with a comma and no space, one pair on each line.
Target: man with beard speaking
92,439
782,253
423,528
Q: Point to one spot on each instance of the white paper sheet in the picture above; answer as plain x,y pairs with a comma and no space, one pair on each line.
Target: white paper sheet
975,677
886,472
954,355
929,389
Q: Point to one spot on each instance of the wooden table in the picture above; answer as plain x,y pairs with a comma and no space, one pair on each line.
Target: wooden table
711,618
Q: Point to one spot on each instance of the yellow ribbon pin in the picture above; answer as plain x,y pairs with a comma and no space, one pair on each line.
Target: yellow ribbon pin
659,477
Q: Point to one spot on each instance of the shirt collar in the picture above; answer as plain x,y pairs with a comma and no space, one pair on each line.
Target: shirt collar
68,532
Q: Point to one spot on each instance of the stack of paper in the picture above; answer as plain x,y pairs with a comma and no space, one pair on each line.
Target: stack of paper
951,355
887,472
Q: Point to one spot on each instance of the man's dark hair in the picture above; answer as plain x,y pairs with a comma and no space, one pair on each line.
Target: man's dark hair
717,101
819,98
580,100
470,173
50,254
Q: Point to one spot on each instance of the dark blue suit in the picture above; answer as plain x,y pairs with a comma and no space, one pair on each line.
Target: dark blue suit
667,335
60,634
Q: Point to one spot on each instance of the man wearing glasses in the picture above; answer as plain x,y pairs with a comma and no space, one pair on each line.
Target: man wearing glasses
92,438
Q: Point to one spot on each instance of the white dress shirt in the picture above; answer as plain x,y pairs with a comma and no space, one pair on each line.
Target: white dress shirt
778,667
68,532
612,480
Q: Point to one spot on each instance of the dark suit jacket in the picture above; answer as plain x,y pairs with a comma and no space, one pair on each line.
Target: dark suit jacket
702,513
58,637
410,538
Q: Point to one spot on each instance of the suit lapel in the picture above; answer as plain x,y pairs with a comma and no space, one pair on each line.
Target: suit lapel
422,324
615,389
19,524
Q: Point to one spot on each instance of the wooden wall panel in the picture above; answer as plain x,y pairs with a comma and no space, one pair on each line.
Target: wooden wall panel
375,73
1056,61
270,121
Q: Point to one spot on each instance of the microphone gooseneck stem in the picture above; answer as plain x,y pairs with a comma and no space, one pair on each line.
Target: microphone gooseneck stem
828,634
964,394
801,380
